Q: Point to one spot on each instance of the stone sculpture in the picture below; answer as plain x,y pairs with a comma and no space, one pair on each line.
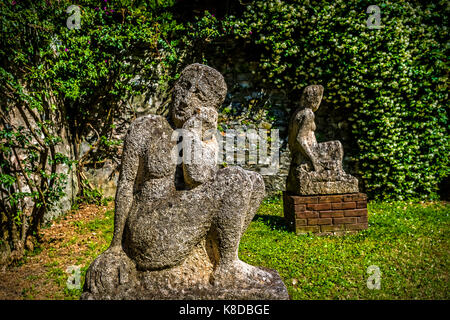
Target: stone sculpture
177,227
320,197
316,168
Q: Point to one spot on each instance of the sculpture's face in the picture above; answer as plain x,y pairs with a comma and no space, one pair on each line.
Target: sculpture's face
198,87
312,96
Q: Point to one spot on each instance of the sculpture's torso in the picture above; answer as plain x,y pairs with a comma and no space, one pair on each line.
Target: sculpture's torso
155,177
302,122
157,203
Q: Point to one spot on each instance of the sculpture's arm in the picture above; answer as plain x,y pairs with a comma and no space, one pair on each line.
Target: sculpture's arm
124,192
199,155
306,138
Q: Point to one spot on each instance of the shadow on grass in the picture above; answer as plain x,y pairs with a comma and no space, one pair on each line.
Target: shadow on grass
274,222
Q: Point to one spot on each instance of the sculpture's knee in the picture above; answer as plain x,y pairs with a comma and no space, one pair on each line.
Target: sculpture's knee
336,150
234,190
235,179
330,150
257,182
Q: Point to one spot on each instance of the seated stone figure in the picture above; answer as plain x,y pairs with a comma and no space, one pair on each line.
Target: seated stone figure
316,168
177,226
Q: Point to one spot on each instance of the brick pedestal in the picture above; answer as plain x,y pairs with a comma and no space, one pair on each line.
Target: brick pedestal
326,214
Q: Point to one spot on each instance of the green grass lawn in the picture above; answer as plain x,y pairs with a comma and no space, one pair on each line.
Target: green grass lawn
409,243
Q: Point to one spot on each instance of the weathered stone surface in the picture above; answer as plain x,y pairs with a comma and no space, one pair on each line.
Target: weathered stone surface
178,225
316,168
188,280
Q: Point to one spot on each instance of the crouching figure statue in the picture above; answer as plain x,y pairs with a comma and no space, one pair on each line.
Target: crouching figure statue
178,224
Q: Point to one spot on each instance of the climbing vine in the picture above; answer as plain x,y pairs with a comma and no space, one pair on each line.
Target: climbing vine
61,86
391,81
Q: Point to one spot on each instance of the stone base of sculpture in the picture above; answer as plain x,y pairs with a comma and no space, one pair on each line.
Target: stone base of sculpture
326,214
191,280
303,182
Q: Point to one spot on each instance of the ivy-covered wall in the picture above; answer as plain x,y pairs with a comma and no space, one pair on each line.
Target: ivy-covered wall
391,82
386,89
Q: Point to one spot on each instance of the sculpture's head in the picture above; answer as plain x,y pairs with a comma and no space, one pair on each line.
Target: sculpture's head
311,97
198,87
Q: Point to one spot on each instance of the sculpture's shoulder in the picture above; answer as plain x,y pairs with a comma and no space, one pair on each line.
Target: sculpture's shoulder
300,118
303,114
149,124
147,128
150,121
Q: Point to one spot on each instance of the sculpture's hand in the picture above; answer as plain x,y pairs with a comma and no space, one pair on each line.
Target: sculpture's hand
200,158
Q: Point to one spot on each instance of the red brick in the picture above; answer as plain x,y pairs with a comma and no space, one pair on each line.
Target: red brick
333,198
331,214
332,228
307,214
359,197
303,200
299,207
362,196
306,229
363,219
344,205
356,226
326,214
344,220
355,212
348,197
355,197
301,222
319,206
320,221
361,204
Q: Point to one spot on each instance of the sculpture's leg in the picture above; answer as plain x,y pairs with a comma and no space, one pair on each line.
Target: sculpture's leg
235,199
258,192
227,203
232,220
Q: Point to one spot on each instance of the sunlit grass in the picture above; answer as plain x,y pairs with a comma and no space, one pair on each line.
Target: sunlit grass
408,242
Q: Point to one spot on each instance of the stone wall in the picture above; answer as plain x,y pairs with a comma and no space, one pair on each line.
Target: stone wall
247,106
70,187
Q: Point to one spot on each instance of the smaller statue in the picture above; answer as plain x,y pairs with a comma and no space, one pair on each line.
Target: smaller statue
316,168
